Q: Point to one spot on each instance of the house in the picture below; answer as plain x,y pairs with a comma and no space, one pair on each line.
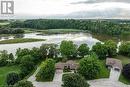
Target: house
69,64
114,63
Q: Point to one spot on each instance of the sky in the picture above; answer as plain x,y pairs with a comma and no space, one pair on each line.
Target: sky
88,9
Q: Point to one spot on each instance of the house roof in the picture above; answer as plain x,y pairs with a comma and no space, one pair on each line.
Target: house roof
114,63
71,64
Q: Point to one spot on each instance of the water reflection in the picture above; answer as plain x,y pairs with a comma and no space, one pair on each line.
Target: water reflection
77,38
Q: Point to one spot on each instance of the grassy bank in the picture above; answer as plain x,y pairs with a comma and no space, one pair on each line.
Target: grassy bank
52,31
60,31
5,70
20,40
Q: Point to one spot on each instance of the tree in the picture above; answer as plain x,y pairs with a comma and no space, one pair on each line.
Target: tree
124,49
100,50
74,80
47,71
26,65
68,49
83,50
20,53
53,51
23,83
89,67
4,57
44,51
111,48
12,78
11,57
126,71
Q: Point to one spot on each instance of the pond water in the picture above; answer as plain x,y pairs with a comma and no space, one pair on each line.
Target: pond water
77,38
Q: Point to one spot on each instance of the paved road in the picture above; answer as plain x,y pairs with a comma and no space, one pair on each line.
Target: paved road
57,81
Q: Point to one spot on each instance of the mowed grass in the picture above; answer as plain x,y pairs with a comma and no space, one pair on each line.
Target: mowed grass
20,40
5,70
104,73
125,60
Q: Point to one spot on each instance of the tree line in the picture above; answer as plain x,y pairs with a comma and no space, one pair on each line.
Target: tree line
94,26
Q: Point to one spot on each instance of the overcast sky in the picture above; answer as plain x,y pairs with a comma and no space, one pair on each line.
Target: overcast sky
71,9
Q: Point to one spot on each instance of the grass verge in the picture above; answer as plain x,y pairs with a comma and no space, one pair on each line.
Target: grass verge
20,40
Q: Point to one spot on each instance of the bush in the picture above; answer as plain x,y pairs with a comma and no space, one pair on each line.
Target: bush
89,67
74,80
12,78
47,71
126,71
23,83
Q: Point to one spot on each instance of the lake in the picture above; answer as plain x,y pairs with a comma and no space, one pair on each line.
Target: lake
77,38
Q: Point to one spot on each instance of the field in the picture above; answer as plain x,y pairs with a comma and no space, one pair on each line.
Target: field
5,70
20,40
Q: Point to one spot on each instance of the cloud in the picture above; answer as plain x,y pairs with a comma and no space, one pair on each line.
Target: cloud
71,9
99,1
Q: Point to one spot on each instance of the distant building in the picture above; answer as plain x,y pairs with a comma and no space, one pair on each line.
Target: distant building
114,63
69,64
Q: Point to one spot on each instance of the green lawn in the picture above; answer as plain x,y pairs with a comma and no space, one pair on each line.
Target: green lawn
125,60
124,80
104,73
5,70
20,40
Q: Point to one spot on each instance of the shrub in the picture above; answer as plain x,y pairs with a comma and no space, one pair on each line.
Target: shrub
12,78
47,71
126,71
74,80
23,83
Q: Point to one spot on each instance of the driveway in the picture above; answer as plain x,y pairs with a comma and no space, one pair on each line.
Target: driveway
57,81
114,75
58,76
